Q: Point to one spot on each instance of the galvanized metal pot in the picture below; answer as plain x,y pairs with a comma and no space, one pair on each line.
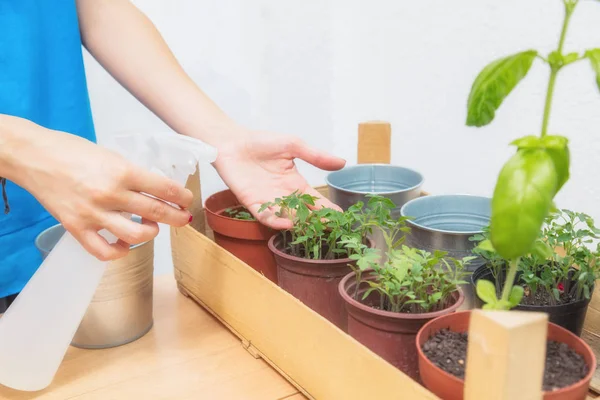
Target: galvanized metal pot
121,309
446,222
351,185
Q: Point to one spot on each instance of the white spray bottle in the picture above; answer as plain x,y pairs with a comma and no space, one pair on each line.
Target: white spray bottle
36,330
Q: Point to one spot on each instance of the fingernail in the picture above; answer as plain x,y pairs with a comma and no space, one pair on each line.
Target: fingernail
191,218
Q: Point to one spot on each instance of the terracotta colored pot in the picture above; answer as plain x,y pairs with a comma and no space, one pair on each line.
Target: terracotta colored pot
390,335
247,240
314,282
449,387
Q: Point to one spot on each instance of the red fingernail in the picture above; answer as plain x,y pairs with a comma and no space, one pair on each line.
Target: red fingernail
191,218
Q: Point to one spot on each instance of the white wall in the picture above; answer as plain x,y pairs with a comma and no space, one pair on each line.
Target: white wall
316,68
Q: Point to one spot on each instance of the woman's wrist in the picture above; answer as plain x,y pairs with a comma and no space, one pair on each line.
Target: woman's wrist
10,148
21,147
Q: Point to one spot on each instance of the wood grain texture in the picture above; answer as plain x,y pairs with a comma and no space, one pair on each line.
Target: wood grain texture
316,356
499,342
374,142
592,318
187,355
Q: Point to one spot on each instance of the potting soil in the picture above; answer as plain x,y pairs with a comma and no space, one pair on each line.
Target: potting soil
564,367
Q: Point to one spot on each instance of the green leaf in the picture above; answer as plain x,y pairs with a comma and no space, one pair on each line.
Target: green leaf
516,295
554,142
571,57
436,297
561,159
556,293
503,305
493,84
586,291
594,56
522,198
486,291
528,142
486,245
542,250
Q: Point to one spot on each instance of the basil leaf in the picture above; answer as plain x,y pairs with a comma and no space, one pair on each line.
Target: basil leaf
554,142
571,57
522,199
594,56
486,291
528,142
516,295
494,83
561,159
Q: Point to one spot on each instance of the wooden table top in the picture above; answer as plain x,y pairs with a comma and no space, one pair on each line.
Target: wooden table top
188,354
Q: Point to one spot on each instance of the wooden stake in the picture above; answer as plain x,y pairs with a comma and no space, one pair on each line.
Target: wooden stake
506,355
374,142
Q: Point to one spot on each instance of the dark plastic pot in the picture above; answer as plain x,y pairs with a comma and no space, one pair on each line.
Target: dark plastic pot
247,240
570,316
313,282
449,387
390,335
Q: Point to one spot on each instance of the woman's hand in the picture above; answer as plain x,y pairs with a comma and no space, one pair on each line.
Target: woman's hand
86,187
258,167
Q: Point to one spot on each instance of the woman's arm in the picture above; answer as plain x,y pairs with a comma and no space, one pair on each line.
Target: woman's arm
126,43
257,166
82,185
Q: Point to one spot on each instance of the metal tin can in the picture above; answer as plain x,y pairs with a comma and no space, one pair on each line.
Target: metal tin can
351,185
121,309
446,222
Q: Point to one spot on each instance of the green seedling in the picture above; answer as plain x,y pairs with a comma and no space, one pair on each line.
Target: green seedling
240,213
318,234
560,263
409,280
528,182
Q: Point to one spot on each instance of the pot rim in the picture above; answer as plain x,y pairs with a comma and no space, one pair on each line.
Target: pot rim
392,315
361,166
444,231
589,375
581,302
281,254
218,215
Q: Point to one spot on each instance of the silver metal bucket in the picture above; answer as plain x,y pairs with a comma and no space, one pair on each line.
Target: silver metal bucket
446,222
121,310
351,185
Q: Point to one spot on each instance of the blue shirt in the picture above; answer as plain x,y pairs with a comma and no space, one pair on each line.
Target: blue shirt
42,79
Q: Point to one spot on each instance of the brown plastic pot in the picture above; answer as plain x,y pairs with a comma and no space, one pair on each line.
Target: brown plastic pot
313,282
247,240
390,335
449,387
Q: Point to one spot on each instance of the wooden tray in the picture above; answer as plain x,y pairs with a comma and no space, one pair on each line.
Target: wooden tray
311,353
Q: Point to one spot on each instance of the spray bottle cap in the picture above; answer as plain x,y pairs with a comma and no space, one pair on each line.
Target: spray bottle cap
174,156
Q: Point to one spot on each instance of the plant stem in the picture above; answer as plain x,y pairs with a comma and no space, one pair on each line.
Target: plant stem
548,106
510,278
555,68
